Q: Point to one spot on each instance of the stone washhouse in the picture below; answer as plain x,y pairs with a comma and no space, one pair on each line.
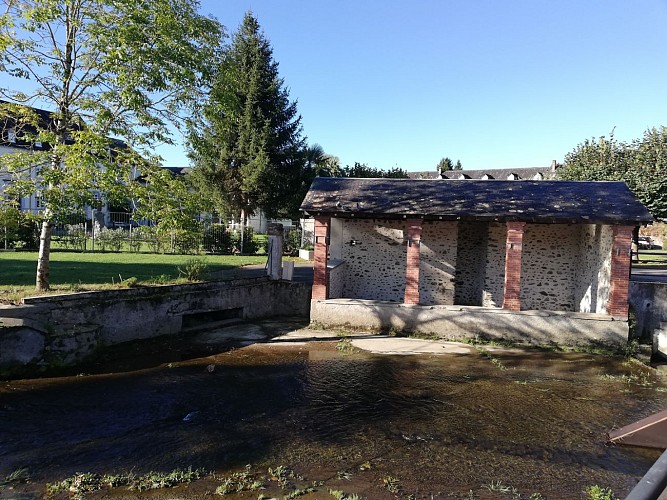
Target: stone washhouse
540,262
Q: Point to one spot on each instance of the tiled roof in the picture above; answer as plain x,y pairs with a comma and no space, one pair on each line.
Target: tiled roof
493,200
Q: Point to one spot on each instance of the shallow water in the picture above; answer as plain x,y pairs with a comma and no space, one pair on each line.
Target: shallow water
441,425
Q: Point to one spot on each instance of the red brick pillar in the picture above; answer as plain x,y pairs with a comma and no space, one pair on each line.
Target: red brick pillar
413,231
320,271
513,249
620,271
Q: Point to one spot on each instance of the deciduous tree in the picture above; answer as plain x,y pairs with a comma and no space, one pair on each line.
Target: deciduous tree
642,164
122,69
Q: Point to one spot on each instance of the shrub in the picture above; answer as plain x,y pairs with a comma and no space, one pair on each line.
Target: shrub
151,236
292,241
194,269
110,238
185,241
250,246
75,236
218,240
19,229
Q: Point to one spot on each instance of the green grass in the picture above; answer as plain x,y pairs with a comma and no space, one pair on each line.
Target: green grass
17,269
651,258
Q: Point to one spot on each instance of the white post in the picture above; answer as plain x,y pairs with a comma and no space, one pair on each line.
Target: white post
274,264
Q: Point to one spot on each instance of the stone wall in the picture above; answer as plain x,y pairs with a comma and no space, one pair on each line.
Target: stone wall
337,275
375,254
65,329
593,283
549,265
459,322
471,263
648,302
437,262
494,277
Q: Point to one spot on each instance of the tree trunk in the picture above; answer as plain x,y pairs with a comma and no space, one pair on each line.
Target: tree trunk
243,217
43,258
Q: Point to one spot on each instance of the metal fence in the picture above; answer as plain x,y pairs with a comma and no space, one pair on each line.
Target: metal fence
132,237
118,232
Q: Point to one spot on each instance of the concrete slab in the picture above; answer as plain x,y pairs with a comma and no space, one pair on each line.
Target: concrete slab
401,345
378,344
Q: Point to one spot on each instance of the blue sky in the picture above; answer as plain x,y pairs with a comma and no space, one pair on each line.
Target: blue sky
493,83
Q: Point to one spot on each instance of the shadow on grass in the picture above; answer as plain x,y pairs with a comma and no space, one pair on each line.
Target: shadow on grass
103,268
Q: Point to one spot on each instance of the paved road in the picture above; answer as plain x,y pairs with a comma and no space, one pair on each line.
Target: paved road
303,272
649,275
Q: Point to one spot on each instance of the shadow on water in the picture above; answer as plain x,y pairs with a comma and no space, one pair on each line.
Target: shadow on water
440,423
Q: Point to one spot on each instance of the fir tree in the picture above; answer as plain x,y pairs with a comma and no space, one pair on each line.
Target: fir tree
248,152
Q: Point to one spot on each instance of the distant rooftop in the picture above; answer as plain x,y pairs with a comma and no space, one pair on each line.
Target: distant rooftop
531,173
546,201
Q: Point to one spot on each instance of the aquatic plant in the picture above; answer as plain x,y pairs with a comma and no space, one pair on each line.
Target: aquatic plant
391,483
238,482
344,345
87,482
499,487
298,492
596,492
341,495
494,361
20,475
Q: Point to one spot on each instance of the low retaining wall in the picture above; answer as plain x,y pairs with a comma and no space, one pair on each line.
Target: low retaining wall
648,300
61,330
460,322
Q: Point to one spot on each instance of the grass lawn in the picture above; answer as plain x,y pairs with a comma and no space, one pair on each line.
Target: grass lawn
652,259
71,271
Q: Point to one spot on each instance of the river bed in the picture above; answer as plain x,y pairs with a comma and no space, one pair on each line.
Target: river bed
488,423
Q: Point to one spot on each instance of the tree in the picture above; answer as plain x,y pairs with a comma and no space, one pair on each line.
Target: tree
446,164
642,165
361,170
646,175
107,68
248,152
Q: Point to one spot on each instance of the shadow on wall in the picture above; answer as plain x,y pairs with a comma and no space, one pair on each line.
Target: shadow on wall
455,322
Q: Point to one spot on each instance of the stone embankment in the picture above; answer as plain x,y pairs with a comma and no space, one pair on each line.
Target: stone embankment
63,330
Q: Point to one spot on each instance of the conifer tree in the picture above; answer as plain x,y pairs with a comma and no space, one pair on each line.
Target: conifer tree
248,150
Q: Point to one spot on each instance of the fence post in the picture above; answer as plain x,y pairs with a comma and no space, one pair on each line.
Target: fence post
274,264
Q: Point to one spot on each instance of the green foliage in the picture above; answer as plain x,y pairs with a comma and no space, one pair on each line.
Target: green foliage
129,282
105,69
74,236
642,164
364,171
247,149
598,493
238,482
81,483
217,239
110,239
21,475
149,235
292,242
446,164
391,483
18,229
250,244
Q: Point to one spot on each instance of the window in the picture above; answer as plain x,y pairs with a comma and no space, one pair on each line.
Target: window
11,135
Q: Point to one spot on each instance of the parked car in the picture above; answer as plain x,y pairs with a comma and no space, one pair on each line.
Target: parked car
646,243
